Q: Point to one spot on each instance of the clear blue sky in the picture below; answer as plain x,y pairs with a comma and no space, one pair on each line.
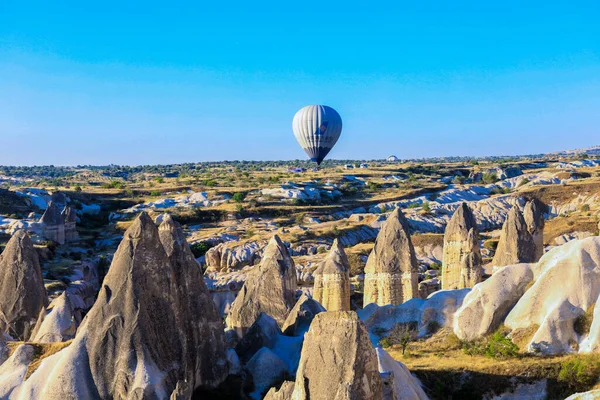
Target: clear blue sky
155,82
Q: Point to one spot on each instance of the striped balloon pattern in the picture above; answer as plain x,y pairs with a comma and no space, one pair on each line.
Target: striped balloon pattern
317,129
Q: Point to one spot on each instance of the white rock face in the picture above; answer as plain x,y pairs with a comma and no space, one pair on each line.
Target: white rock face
567,284
439,307
13,370
488,303
59,324
401,385
591,395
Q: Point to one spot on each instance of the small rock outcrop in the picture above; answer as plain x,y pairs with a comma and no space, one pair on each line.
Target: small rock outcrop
534,218
516,244
332,280
391,270
489,302
338,360
53,224
59,324
150,334
22,291
270,288
461,261
263,333
301,316
70,217
266,369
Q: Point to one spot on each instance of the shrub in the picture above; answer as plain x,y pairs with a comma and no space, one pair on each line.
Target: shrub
114,184
78,188
426,207
488,178
155,193
437,266
413,205
497,345
585,208
200,248
401,334
580,373
459,179
239,197
500,346
523,181
583,322
299,218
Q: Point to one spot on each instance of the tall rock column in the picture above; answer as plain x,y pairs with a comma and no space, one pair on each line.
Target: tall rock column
332,280
516,244
338,360
534,218
270,288
22,291
53,224
461,260
391,270
70,218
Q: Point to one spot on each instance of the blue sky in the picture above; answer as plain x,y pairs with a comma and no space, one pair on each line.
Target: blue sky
153,82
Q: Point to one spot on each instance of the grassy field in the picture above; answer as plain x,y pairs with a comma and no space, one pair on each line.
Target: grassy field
447,370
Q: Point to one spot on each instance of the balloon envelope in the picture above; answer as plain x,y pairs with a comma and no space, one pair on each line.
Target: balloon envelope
317,129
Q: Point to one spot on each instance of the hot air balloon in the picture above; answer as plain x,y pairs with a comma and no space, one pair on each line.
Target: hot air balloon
317,129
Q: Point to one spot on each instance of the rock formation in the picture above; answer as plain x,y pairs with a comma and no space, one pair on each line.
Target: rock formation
338,360
59,199
567,284
266,369
22,291
461,262
301,316
391,270
534,218
151,333
270,288
263,333
70,217
201,325
59,325
486,306
53,224
516,244
437,310
332,280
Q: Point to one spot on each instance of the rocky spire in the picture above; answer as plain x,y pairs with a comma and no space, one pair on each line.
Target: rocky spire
338,360
534,218
70,217
461,261
53,224
202,325
22,291
270,288
332,280
516,244
136,341
391,270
